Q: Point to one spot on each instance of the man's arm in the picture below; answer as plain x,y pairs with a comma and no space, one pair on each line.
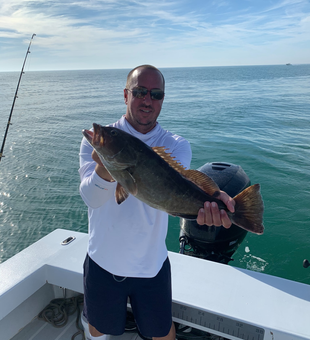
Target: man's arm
95,188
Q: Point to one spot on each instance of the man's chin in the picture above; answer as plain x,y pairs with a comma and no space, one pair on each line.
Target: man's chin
144,126
144,123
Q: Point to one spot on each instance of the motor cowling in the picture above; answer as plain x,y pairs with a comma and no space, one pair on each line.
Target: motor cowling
210,242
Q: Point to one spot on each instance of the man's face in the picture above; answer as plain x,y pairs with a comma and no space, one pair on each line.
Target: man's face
142,113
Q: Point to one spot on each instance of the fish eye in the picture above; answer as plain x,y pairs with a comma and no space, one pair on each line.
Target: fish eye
113,132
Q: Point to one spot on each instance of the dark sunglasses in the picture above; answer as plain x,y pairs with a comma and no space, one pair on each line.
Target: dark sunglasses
140,92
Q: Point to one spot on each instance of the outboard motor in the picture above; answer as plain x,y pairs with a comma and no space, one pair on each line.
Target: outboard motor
215,243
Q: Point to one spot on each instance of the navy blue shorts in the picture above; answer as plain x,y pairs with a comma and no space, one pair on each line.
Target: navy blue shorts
106,295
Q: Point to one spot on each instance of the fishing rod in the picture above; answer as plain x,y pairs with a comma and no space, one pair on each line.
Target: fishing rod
10,116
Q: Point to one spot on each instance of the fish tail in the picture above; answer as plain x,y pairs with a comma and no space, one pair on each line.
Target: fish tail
249,210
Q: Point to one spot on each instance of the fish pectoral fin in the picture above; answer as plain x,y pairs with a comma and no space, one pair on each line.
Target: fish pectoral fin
203,181
120,194
130,182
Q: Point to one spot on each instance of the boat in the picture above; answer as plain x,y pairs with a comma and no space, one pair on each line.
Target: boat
208,296
211,299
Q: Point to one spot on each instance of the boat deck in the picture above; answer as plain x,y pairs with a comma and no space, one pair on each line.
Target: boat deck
39,330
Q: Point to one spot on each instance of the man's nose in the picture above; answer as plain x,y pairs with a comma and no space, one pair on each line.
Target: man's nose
147,99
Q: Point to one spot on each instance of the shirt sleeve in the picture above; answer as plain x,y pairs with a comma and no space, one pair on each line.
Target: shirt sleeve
94,190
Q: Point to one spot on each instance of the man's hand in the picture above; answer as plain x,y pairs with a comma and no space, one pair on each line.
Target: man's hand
211,215
100,168
96,158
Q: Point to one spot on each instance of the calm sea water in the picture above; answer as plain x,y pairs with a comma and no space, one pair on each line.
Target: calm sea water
254,116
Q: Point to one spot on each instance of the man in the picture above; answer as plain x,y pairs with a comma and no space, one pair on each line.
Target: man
127,255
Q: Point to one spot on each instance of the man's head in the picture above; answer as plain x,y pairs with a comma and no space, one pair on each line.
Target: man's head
144,95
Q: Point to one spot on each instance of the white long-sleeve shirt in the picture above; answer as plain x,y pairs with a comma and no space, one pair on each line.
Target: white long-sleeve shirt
127,239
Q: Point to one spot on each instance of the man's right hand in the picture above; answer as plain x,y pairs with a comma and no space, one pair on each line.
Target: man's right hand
100,169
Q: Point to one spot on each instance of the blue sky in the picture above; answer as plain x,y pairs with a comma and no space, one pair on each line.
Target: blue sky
101,34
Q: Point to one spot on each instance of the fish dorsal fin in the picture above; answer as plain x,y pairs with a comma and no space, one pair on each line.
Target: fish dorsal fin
161,151
203,181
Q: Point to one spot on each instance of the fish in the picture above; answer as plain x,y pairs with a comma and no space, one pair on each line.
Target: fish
156,178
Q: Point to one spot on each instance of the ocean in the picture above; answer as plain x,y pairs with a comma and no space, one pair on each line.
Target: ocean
253,116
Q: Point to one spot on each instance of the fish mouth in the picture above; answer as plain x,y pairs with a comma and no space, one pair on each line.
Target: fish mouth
95,138
88,135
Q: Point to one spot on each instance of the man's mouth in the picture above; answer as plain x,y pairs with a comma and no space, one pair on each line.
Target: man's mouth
146,110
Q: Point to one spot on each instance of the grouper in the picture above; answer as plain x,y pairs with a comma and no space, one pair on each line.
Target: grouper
153,176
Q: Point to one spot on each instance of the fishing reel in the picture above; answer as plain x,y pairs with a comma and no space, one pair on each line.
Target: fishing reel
215,243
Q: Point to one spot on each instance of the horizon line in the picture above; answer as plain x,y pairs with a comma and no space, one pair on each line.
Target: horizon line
163,67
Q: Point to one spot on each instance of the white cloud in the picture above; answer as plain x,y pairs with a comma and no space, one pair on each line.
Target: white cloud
105,32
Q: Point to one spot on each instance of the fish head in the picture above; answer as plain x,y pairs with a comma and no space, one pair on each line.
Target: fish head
112,145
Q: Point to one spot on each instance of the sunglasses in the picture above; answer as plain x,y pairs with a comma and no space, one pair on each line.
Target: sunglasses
140,92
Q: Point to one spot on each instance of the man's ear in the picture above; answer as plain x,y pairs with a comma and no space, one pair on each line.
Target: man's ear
125,96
